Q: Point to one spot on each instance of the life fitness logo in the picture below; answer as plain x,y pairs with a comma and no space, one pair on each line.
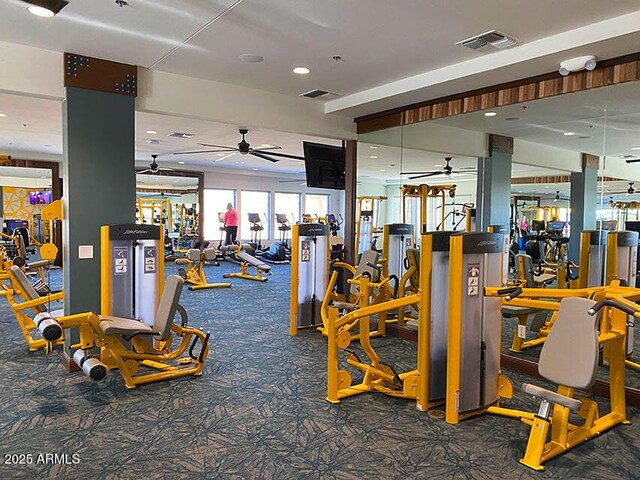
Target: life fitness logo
134,232
487,243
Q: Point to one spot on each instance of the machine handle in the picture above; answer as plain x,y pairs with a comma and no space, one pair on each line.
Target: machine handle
613,304
511,292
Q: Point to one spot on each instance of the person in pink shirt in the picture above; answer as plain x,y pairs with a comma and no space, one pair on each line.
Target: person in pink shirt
231,224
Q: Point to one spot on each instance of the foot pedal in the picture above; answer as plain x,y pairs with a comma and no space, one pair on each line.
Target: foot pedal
539,319
396,378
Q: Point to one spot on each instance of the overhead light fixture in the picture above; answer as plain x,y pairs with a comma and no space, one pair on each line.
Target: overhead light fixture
221,154
490,114
438,165
586,62
46,8
301,70
568,134
4,115
632,148
48,145
254,169
151,132
180,163
382,170
375,147
373,157
251,58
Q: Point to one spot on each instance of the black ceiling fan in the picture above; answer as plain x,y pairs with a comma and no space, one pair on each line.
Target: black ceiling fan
154,167
244,148
447,170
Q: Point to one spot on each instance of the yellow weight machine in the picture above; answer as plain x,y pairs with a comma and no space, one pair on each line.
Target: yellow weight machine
194,272
415,198
158,211
367,211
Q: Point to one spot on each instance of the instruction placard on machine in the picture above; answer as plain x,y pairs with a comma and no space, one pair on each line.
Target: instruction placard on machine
305,255
473,278
120,257
149,259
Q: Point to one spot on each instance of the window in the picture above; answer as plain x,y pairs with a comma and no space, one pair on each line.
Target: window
215,202
254,202
286,204
316,205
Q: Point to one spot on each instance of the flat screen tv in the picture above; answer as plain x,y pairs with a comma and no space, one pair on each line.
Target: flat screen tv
324,165
43,197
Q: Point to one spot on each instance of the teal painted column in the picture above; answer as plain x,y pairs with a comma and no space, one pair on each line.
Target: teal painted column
99,175
493,198
583,203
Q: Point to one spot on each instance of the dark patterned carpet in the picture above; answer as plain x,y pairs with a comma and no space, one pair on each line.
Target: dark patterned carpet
259,412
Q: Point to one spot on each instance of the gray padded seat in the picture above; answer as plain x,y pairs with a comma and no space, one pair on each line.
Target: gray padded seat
532,280
210,254
569,356
367,257
251,260
25,284
193,254
163,319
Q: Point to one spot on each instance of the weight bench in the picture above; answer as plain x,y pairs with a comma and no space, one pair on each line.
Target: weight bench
128,344
32,313
247,261
194,273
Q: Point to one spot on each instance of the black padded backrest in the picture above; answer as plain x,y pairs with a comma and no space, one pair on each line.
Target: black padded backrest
525,269
19,277
168,305
569,355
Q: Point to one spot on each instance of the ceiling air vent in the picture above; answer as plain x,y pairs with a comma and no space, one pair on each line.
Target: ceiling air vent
180,135
318,93
490,38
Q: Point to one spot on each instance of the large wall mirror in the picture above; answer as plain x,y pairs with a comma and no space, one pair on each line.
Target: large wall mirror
553,137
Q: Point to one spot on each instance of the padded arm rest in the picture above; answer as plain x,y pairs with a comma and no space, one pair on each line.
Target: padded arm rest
38,264
553,397
182,261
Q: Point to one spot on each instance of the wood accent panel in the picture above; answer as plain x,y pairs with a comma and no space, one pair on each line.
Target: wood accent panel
102,75
590,161
608,72
500,143
553,179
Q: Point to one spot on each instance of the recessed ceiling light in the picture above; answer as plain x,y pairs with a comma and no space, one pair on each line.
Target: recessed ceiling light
48,145
180,163
301,70
382,170
438,165
490,114
241,163
266,145
373,157
251,58
635,148
40,11
3,115
151,132
254,169
375,147
568,134
220,154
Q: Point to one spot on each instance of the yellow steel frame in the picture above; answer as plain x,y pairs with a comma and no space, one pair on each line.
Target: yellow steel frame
612,334
375,202
424,192
195,275
162,206
244,273
378,376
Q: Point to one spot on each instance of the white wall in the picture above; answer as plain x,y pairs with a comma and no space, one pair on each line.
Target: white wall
263,183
